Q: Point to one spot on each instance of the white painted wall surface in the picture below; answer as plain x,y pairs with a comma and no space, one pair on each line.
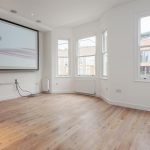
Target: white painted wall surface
61,84
85,84
120,23
120,88
47,62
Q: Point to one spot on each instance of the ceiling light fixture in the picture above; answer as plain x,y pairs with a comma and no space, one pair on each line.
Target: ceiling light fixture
32,14
38,21
13,11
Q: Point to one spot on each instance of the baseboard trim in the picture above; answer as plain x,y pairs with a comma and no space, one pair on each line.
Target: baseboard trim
126,105
86,94
7,98
62,92
114,103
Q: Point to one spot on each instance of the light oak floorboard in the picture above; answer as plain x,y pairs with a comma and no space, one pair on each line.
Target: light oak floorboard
71,122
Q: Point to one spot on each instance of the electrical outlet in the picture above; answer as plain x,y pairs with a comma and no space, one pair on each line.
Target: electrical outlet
118,91
36,83
16,81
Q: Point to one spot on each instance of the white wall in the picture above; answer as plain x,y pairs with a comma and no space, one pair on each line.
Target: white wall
120,23
121,87
60,84
101,86
28,80
84,84
47,63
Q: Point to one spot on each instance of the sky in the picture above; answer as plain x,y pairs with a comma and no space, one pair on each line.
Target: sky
145,24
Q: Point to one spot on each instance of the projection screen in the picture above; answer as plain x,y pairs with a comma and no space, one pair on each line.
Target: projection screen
19,47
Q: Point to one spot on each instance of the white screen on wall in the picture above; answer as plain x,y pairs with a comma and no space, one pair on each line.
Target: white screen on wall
18,47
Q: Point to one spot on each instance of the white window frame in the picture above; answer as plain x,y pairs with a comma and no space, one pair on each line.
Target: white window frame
77,57
104,52
69,60
137,47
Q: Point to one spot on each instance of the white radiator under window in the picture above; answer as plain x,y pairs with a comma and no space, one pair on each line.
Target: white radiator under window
85,86
45,85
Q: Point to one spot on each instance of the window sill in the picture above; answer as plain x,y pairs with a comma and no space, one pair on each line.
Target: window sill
104,78
143,80
63,77
86,77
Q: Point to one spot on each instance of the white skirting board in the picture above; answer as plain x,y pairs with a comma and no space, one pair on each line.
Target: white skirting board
126,105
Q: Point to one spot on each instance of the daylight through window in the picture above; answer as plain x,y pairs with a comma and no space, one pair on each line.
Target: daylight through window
63,58
86,56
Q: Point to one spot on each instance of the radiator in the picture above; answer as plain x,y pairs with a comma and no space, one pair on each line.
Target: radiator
45,85
85,86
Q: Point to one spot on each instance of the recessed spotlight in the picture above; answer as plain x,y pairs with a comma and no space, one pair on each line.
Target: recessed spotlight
38,21
32,14
13,11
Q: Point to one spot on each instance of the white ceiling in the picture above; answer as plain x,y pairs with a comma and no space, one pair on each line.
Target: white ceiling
55,13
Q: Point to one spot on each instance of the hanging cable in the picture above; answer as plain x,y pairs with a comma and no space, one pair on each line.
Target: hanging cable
18,88
24,90
18,91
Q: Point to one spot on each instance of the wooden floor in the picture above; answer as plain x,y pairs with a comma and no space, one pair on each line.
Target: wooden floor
71,122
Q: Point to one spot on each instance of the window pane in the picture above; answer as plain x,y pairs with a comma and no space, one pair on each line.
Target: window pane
63,66
86,65
104,41
105,64
145,24
87,46
145,48
145,64
86,56
63,48
105,54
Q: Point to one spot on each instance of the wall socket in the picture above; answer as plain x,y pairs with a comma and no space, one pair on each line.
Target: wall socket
118,91
36,83
16,81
